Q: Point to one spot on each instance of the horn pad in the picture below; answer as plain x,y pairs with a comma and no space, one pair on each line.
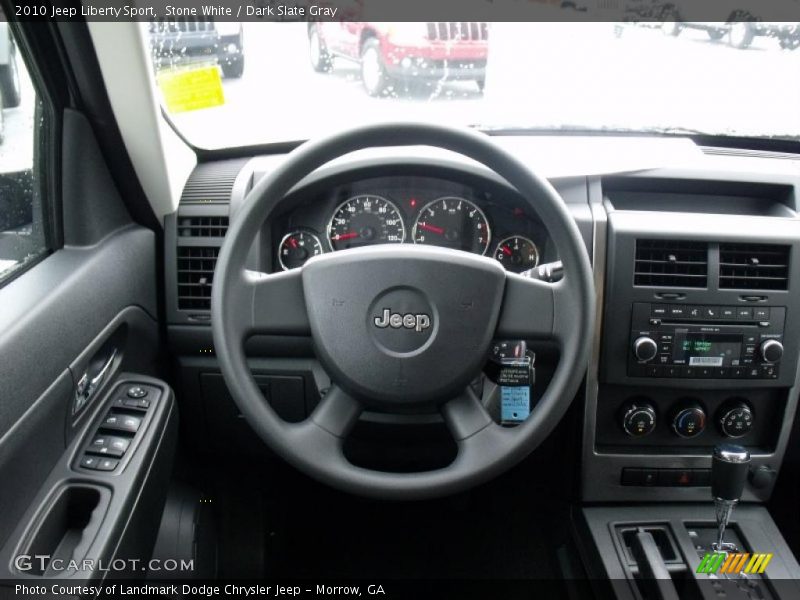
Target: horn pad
402,325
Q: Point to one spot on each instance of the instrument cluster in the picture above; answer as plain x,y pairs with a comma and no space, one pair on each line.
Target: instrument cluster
418,210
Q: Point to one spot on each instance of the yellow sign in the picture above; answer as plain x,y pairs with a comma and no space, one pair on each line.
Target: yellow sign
191,89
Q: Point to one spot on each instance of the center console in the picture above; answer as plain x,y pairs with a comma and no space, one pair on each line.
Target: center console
691,390
695,348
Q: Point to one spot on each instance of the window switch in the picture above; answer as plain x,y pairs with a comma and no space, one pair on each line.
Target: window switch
90,462
109,445
121,422
107,464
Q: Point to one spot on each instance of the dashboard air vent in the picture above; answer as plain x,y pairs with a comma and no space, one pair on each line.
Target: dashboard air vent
671,263
202,226
195,274
753,266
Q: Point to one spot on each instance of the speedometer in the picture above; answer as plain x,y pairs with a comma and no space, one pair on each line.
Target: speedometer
365,220
453,222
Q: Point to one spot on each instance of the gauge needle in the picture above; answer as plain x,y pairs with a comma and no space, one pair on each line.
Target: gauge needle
507,251
431,228
293,242
345,236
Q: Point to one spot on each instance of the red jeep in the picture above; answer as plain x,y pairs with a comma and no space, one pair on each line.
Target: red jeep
403,52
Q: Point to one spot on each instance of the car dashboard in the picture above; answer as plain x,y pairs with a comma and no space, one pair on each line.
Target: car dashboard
695,260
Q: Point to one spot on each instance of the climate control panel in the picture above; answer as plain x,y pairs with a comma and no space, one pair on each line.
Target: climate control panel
665,419
688,419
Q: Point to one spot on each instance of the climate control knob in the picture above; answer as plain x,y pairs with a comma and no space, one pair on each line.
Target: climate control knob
771,351
645,348
689,421
638,418
735,419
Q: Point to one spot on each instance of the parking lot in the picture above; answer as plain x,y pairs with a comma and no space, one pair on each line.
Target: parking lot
592,75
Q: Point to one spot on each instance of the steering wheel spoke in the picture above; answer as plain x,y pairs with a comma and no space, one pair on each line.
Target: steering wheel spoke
272,304
337,413
532,309
465,416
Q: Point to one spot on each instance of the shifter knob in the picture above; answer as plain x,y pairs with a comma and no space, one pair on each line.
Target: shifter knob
729,467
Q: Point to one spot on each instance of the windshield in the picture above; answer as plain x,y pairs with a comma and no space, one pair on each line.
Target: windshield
234,84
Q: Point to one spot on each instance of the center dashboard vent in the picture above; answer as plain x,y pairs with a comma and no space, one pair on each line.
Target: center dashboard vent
195,275
202,226
753,266
671,263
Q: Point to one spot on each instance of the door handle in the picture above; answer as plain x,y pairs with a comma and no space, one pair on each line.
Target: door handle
89,383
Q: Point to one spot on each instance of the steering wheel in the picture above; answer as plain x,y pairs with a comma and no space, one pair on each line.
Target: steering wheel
399,327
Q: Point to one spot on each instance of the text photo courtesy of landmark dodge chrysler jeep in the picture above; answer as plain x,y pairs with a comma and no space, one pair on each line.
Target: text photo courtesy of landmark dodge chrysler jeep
402,53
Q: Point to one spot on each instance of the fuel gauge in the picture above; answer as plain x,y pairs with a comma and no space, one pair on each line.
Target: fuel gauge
517,253
296,248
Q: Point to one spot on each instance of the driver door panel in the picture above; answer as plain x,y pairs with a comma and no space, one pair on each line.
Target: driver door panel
73,328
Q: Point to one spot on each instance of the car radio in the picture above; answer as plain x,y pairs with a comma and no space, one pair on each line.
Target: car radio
704,341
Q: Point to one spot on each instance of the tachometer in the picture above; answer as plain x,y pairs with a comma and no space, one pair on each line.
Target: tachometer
517,253
453,222
296,248
365,220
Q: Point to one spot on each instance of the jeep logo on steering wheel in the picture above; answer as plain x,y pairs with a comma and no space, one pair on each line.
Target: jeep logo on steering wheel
417,322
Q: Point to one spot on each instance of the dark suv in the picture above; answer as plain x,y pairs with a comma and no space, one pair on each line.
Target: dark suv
188,41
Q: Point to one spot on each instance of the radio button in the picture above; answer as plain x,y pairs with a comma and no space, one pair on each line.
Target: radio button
761,314
728,312
653,371
750,349
694,312
711,312
744,313
771,351
658,310
689,372
750,339
752,373
672,371
722,372
677,310
769,371
738,372
645,348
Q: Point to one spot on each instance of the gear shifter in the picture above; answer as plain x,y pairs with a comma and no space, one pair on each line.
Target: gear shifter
729,467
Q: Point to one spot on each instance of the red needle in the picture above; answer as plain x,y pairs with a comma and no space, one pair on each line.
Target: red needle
345,236
432,228
507,251
293,242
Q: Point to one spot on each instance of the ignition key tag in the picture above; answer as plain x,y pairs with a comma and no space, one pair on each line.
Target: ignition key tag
514,373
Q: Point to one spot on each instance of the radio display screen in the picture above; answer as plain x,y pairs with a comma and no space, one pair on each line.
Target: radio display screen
697,349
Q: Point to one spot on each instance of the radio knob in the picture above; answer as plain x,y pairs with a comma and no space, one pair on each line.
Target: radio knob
771,351
638,418
689,421
645,348
735,419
